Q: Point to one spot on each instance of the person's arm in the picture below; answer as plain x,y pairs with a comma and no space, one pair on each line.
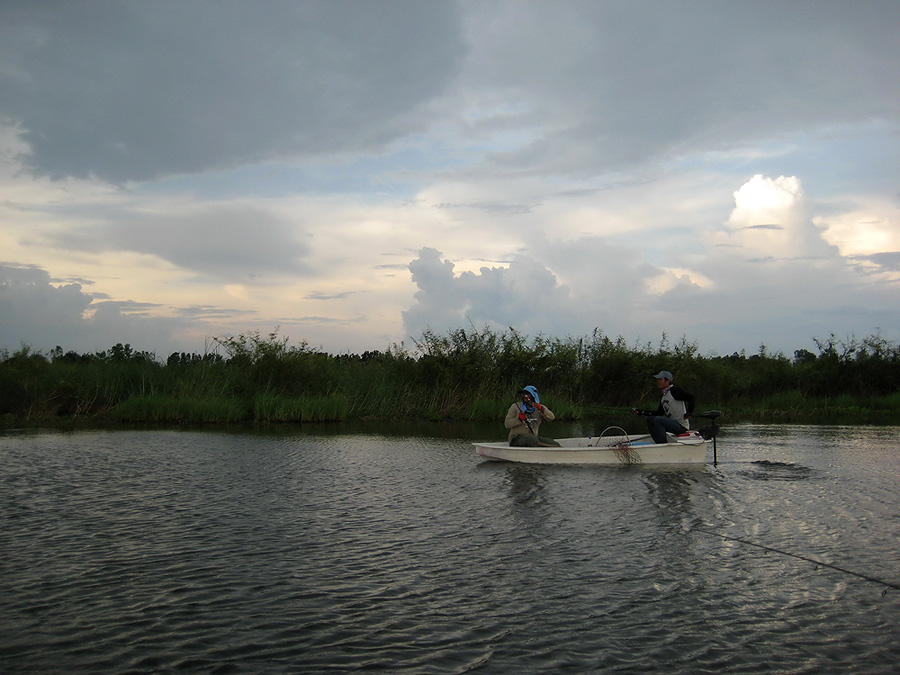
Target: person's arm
512,417
660,411
546,413
681,395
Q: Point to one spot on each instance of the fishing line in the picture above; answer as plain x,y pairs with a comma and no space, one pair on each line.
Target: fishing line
800,557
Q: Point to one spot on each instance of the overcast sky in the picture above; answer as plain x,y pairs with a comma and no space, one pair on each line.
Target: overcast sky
352,172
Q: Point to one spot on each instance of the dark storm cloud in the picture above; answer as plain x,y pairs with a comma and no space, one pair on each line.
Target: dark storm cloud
132,90
135,90
609,84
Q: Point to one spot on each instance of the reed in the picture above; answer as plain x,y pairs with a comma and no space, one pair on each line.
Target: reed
784,405
462,374
179,410
487,409
270,407
890,403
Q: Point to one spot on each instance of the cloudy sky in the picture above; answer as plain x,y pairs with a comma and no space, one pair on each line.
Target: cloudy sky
352,172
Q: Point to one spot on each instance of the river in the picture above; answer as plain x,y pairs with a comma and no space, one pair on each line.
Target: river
332,551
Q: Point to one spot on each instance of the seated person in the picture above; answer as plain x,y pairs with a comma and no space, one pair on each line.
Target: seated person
524,419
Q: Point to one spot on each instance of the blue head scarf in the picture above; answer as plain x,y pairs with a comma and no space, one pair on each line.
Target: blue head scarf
534,394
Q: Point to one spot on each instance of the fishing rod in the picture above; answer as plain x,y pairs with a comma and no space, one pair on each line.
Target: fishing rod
804,558
524,417
523,410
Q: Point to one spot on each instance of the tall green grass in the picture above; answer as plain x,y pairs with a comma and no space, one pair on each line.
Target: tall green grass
179,410
269,407
461,374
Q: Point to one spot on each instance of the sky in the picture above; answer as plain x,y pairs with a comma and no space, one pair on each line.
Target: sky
349,174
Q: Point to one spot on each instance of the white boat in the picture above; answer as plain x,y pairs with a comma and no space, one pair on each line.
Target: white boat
688,448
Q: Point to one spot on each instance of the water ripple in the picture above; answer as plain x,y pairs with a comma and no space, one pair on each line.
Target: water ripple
216,553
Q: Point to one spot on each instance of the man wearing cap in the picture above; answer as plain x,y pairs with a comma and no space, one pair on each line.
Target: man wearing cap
674,410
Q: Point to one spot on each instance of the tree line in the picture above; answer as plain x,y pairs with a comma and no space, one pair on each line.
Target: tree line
462,374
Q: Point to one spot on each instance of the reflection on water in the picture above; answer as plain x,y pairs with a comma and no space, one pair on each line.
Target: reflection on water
525,483
324,551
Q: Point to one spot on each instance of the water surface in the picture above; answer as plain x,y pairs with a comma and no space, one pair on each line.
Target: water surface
289,552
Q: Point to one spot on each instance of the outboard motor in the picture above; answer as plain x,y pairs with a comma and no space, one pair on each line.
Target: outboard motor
710,431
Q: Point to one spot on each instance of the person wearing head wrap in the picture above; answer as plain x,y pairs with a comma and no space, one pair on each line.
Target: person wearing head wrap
674,412
523,419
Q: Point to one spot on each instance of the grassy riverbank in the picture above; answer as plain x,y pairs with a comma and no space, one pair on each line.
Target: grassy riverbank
460,375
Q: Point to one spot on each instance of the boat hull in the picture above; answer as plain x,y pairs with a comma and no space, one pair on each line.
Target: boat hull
606,451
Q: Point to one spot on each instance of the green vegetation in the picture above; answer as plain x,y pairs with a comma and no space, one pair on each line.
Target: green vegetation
463,375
